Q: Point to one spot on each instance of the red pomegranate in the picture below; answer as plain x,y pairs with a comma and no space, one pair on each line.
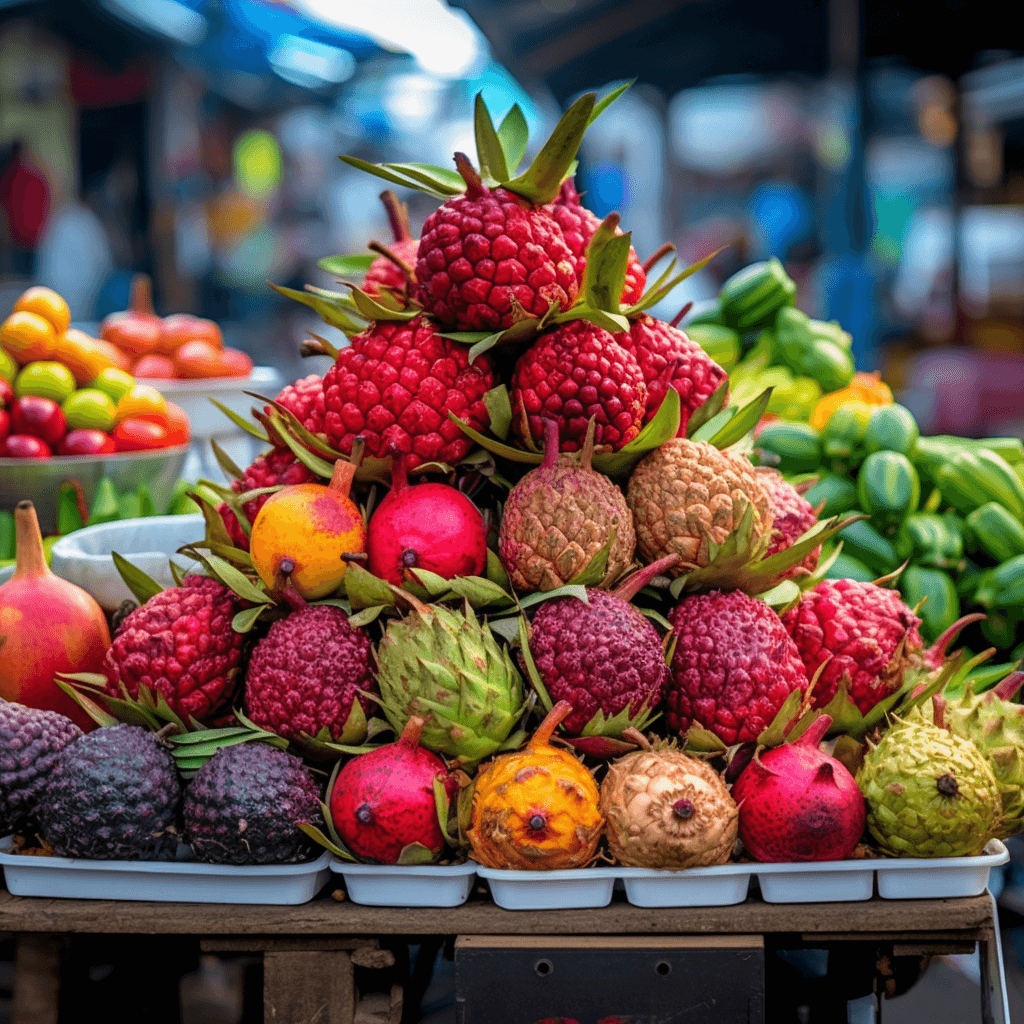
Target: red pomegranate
427,526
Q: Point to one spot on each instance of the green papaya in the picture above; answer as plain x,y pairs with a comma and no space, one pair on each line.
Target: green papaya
1003,586
863,542
837,492
892,428
888,488
993,530
797,445
932,539
752,297
843,436
941,607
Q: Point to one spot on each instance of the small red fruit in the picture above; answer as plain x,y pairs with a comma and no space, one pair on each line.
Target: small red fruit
179,430
152,366
40,417
387,274
25,446
5,424
6,394
135,435
305,401
87,442
430,526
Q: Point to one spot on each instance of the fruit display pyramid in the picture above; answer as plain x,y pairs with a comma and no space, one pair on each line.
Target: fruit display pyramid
511,574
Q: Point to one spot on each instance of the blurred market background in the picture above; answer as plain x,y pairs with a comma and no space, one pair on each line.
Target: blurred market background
876,149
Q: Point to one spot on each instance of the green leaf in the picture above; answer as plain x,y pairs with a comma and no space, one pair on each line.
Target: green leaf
496,571
334,310
139,583
664,425
87,704
531,667
489,153
569,590
602,105
500,410
321,840
225,461
415,853
366,615
713,425
614,323
595,569
216,533
236,581
743,422
703,740
312,462
290,424
443,806
246,619
364,589
374,309
177,573
775,733
442,178
468,337
781,595
479,591
607,260
497,447
543,178
662,288
384,171
436,586
241,422
702,414
514,136
354,265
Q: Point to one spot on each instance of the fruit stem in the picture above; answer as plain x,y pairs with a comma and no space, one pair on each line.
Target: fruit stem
587,451
411,733
939,711
663,250
398,216
142,296
399,474
318,347
635,583
383,250
815,732
674,322
345,469
416,604
293,598
28,543
950,633
470,175
634,735
273,434
551,442
552,720
1007,689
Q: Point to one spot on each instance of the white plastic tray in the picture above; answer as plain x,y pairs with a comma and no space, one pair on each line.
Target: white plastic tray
417,885
833,881
923,878
163,882
719,886
570,889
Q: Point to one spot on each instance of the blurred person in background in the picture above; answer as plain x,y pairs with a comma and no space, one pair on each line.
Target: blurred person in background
25,201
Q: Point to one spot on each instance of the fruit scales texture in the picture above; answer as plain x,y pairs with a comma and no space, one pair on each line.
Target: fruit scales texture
687,495
667,810
929,793
308,672
272,469
487,257
864,633
578,225
305,400
558,517
180,645
385,274
602,657
668,358
572,374
792,516
395,385
245,804
30,743
733,667
112,795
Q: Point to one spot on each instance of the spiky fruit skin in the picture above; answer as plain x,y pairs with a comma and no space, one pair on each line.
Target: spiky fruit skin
534,810
733,667
383,801
305,401
275,468
385,275
488,256
864,632
687,496
556,519
30,743
112,795
666,810
798,804
572,374
578,225
929,793
792,516
312,671
668,358
395,385
180,645
245,804
429,526
604,657
448,668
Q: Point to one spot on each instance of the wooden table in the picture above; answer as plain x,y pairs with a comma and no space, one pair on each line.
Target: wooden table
309,950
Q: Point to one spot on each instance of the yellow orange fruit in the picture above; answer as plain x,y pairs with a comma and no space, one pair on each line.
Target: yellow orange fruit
143,403
82,355
28,337
121,360
46,303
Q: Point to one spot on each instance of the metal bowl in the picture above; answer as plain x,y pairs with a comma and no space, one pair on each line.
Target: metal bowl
39,480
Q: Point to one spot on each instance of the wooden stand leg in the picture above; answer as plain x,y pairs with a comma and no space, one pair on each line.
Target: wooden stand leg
308,988
36,979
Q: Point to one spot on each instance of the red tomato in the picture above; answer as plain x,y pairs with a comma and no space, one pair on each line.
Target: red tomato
135,435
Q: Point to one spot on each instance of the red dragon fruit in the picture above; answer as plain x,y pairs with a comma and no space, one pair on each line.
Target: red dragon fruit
383,801
798,804
305,401
430,526
792,516
389,273
862,633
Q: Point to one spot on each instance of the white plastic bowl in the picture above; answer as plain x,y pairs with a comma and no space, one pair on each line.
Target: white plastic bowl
570,889
720,886
415,885
833,881
924,878
84,557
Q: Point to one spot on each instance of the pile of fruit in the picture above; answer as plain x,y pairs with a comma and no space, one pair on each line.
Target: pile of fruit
64,393
180,346
517,526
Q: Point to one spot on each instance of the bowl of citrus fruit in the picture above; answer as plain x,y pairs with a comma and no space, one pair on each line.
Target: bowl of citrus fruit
70,409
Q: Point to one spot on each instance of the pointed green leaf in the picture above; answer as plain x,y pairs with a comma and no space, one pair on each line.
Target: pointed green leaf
782,595
87,704
514,136
443,807
700,739
354,265
592,574
603,104
662,288
495,446
236,556
443,179
605,274
467,337
711,408
432,583
246,619
225,461
383,171
321,840
415,853
743,422
216,533
177,573
480,592
236,581
334,311
665,424
614,323
364,589
499,407
569,590
541,181
496,571
531,667
713,425
490,155
775,733
374,309
139,583
241,422
312,462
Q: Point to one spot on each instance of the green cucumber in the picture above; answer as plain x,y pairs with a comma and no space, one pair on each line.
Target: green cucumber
842,437
996,532
888,488
942,607
752,297
932,539
892,428
837,492
863,542
797,445
846,567
1003,586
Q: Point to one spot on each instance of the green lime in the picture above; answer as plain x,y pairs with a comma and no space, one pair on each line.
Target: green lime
90,409
113,382
8,366
45,380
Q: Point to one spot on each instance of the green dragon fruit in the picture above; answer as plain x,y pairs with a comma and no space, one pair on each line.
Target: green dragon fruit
447,667
930,793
